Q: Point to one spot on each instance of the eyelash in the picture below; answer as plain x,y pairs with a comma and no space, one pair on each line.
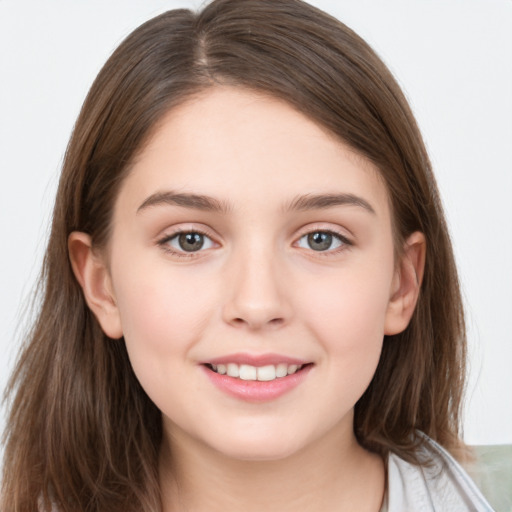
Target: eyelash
345,242
164,242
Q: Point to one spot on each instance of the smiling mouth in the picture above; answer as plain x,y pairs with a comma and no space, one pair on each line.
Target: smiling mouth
256,373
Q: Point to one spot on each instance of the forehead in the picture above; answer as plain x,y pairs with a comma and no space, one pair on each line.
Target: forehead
248,149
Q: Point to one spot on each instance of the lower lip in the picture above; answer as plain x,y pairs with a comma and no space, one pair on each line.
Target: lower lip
254,390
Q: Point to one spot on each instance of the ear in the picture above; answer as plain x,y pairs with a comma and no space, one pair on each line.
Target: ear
93,275
406,284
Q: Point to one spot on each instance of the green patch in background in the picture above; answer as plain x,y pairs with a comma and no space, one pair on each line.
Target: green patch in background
492,472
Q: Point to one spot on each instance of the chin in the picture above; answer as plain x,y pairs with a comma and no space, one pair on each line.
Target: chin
258,448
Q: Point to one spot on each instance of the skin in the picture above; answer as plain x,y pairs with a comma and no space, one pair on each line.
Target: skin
257,286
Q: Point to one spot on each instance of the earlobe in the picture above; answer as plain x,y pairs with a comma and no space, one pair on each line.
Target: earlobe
93,276
406,284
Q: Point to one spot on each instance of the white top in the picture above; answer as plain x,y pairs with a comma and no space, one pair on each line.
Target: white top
439,487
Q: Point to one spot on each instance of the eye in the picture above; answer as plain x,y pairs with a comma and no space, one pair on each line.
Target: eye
322,241
188,241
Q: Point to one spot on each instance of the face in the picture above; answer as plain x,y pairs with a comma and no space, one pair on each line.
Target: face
251,269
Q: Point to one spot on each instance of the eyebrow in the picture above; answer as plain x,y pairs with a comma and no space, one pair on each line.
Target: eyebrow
324,201
210,204
192,201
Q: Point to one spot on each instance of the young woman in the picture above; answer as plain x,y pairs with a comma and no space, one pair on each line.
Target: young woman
250,297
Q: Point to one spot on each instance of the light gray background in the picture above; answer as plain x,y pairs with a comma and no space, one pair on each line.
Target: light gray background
452,57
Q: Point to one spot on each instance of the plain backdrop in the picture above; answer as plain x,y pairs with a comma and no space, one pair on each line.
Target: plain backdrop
452,57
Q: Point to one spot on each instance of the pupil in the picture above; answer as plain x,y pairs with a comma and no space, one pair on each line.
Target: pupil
320,241
191,242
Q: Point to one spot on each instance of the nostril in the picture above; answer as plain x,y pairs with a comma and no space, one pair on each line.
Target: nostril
273,322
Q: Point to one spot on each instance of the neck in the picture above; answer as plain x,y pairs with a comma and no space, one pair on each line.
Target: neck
334,474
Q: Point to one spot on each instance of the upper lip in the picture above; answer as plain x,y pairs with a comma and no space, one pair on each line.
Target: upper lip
256,359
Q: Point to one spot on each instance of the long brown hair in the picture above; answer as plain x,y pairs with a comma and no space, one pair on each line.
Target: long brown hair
82,434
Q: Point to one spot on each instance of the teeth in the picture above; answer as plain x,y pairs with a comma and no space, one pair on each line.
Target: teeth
267,372
281,370
261,373
248,372
233,370
292,368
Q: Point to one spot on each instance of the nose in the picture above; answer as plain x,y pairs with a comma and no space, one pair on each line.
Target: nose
257,295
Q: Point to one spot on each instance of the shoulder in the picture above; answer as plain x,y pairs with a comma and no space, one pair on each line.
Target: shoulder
441,485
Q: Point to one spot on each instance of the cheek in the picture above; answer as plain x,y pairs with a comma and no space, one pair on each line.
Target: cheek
347,308
162,317
162,312
348,323
346,314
